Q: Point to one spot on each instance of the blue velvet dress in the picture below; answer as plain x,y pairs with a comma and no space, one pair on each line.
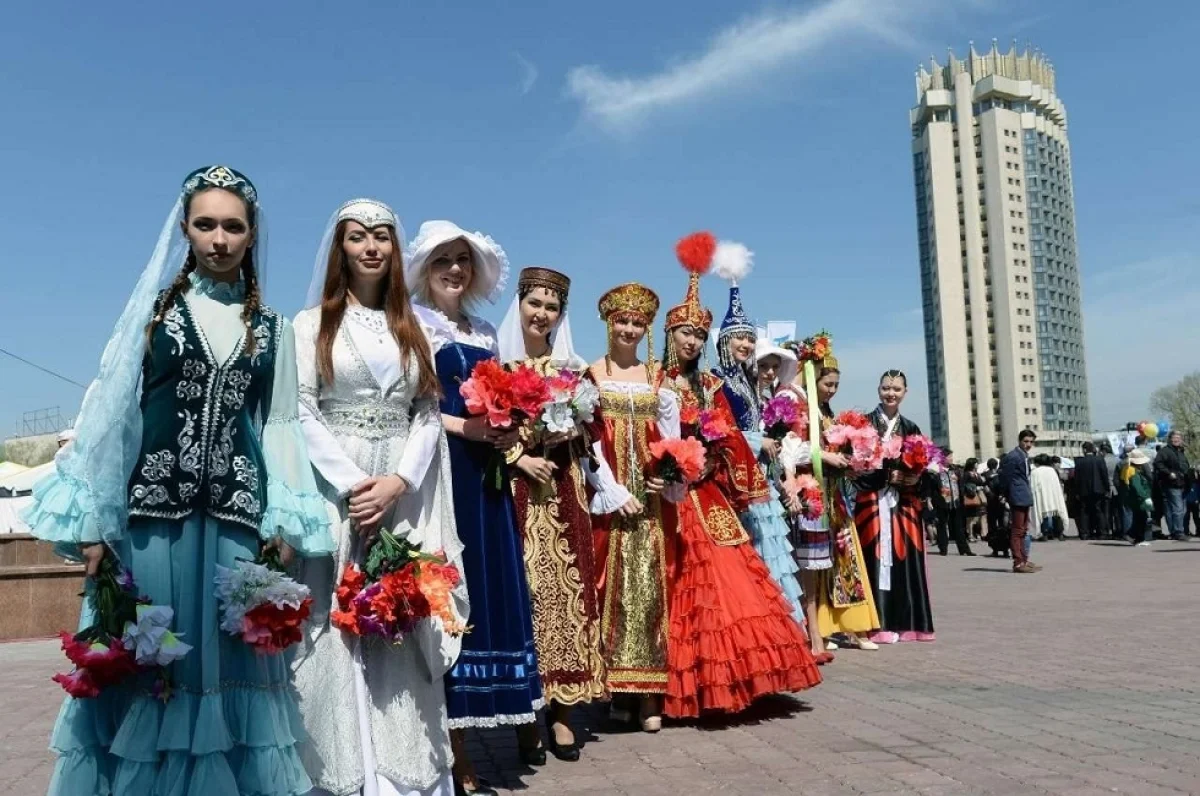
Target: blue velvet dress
765,522
495,680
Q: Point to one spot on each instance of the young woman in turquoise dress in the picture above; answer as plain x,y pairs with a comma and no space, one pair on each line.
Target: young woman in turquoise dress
495,681
189,456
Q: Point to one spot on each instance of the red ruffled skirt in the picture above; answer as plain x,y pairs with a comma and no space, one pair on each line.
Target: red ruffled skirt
732,635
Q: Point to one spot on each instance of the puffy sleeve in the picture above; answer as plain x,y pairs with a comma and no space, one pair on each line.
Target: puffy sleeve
422,442
794,452
295,510
323,449
609,495
668,428
84,500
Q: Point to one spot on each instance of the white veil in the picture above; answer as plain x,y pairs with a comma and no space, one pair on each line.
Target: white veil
511,341
368,212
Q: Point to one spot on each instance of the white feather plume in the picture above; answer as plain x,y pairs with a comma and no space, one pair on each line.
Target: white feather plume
732,261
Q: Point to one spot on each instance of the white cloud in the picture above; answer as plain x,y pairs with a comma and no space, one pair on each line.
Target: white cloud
529,73
756,45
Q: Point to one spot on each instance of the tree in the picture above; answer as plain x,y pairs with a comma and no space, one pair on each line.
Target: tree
1180,403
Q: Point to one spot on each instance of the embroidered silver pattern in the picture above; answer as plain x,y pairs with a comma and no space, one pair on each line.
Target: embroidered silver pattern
236,382
245,471
188,388
218,463
187,491
214,493
173,324
158,465
189,449
244,501
262,336
151,495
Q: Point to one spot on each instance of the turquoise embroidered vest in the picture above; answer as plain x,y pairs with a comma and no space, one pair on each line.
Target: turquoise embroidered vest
200,422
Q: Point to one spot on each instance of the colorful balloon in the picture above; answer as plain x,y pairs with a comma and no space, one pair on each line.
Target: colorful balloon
1150,430
1164,428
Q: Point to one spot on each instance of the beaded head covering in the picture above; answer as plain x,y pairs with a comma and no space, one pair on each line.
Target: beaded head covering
370,213
220,177
634,299
537,276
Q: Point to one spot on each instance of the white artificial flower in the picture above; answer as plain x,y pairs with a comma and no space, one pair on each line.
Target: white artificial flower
151,639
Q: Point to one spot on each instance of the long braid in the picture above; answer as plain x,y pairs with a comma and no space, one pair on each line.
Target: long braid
178,286
253,298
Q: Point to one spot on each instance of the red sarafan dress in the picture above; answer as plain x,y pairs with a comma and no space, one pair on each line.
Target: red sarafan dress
732,635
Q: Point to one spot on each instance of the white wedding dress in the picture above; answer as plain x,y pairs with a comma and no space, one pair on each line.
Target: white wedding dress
375,713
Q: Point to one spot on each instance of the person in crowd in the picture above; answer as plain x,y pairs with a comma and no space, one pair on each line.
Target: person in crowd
374,711
1092,485
1138,497
635,546
1112,463
1018,496
1171,469
834,576
737,343
553,468
888,517
192,415
733,637
973,488
998,533
495,680
1049,501
945,497
1192,498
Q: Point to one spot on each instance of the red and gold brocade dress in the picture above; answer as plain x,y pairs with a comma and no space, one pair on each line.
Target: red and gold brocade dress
556,530
732,637
633,554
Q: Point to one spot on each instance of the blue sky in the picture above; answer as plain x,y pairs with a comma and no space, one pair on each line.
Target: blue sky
586,137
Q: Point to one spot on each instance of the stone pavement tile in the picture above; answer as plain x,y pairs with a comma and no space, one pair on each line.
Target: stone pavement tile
1016,698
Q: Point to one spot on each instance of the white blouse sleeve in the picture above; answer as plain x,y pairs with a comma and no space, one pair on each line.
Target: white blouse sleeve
794,452
422,443
668,427
324,451
610,494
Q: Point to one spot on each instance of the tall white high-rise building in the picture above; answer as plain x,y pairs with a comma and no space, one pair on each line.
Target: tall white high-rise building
999,271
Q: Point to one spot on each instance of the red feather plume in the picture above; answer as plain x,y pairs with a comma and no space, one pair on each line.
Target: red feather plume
695,252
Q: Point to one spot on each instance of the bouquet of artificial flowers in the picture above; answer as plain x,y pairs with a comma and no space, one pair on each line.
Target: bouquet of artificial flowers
262,605
678,461
128,636
852,435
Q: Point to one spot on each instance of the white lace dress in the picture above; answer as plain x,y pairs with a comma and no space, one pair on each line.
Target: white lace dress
375,713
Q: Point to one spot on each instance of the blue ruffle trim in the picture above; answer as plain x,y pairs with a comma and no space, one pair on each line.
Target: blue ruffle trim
240,741
300,518
769,535
64,512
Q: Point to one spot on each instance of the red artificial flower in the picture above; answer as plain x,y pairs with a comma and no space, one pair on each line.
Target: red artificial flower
679,460
714,425
853,419
107,663
271,628
78,683
529,390
488,392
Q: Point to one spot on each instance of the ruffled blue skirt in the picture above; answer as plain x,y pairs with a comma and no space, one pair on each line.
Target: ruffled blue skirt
231,725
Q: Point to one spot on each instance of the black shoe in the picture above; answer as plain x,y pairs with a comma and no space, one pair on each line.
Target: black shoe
968,553
943,552
568,753
482,788
533,757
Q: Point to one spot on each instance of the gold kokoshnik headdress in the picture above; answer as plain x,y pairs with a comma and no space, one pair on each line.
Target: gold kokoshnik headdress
634,299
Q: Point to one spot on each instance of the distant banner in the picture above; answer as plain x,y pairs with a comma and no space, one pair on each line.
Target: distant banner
780,332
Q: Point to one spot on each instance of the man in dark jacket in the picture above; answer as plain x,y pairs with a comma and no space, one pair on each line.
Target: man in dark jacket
946,499
1014,481
1092,486
1170,471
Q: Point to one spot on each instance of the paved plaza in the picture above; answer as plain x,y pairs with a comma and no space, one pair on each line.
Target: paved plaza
1081,680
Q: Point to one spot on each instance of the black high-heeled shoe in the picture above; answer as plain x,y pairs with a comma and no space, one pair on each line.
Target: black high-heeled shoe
532,757
568,753
482,788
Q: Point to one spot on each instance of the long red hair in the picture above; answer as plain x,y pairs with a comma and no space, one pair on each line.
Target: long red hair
400,317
